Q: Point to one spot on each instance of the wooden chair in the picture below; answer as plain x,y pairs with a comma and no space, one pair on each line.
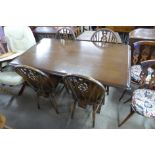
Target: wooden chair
86,91
104,36
65,33
143,98
141,51
43,84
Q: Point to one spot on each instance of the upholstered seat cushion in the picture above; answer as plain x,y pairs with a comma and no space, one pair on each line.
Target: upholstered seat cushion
143,102
10,78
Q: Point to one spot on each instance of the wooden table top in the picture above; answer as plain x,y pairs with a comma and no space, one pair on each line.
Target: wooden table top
110,65
142,33
86,36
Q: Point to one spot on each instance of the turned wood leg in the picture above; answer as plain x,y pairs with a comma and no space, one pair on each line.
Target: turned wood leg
128,116
54,103
72,114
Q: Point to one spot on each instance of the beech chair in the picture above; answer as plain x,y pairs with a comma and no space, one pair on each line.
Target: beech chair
86,91
143,98
65,33
43,84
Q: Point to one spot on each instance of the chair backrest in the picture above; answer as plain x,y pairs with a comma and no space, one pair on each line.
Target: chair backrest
19,39
38,80
65,33
104,35
141,51
148,74
85,90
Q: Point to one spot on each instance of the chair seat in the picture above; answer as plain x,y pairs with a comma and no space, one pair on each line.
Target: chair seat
10,78
135,72
143,102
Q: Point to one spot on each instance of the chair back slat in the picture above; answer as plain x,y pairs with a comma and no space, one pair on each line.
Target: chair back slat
148,74
65,33
142,51
104,35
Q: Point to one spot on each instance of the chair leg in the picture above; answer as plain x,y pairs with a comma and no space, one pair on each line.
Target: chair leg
22,89
107,90
38,105
122,94
54,103
10,101
66,86
94,114
129,115
72,114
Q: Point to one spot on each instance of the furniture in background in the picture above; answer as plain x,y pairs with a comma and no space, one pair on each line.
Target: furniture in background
65,33
86,36
44,32
86,91
19,39
41,32
104,35
123,32
141,34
